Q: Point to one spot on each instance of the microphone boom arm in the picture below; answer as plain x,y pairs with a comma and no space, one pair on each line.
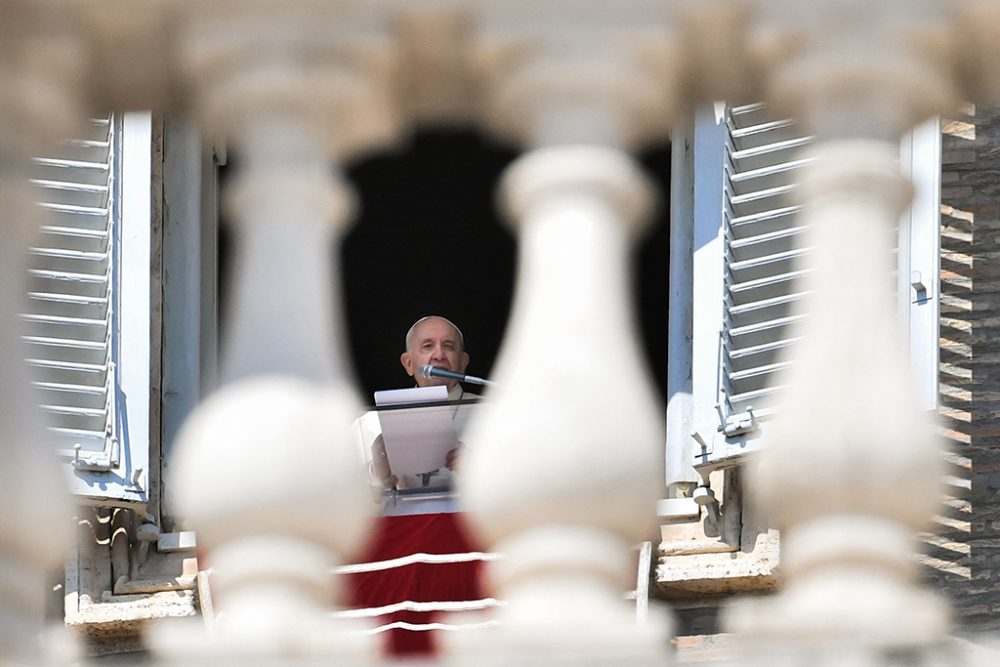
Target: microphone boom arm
429,371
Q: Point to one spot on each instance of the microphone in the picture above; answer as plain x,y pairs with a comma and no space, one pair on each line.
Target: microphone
428,371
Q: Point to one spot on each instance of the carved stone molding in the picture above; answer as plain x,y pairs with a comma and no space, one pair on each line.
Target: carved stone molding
856,69
593,74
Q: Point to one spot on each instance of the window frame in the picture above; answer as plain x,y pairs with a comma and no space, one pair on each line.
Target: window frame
704,444
127,479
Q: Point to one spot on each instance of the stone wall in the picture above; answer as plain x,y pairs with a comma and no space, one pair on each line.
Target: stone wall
962,556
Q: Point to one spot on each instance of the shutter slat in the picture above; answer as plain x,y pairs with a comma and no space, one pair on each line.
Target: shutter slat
763,222
763,289
83,240
69,372
756,399
71,395
768,154
75,232
86,218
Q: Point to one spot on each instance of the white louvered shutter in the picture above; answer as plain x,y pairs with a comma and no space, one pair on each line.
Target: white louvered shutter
70,309
753,256
72,322
747,243
763,246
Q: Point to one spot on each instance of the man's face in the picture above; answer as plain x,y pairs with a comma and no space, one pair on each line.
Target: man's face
435,342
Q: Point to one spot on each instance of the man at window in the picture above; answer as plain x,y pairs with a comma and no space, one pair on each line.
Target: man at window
436,341
393,573
431,341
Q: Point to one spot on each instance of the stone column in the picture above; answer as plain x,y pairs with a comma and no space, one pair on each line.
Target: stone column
562,471
563,467
266,469
851,468
40,54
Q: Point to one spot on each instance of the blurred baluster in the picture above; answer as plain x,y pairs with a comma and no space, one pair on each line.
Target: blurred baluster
266,472
564,465
851,469
39,74
561,472
36,518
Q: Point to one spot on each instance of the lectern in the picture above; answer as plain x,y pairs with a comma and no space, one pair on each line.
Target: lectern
420,562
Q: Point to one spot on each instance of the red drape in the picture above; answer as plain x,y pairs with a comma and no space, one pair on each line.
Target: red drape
398,536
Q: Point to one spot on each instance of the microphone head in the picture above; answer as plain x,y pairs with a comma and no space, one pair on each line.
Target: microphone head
425,370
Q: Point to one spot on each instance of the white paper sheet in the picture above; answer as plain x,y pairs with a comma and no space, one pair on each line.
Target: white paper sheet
417,439
411,395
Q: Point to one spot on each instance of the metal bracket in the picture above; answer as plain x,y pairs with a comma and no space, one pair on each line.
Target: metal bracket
97,462
920,291
147,532
706,443
705,497
740,424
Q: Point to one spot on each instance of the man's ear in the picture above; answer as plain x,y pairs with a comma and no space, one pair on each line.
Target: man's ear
463,362
407,362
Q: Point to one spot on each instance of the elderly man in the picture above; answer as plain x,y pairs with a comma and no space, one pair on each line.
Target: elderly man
434,341
394,572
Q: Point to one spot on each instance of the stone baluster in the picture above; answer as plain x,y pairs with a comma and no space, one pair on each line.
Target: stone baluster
978,23
266,471
561,472
851,467
39,72
37,515
564,465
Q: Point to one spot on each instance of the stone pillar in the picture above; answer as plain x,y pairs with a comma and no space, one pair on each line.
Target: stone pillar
36,518
851,468
561,472
40,55
266,471
563,466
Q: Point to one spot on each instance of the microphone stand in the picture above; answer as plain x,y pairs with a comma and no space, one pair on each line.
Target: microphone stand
429,371
472,379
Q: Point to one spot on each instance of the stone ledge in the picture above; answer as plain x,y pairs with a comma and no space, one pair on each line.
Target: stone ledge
715,574
704,649
124,616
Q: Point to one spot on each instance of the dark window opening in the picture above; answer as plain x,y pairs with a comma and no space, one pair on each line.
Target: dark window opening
428,240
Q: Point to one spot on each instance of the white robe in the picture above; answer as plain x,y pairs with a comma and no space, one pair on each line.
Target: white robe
368,429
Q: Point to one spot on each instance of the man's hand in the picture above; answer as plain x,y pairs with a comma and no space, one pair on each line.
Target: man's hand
380,464
452,457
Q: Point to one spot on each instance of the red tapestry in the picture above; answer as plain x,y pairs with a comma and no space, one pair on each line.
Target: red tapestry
400,536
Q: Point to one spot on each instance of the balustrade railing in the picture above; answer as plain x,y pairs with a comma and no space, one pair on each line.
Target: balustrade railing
562,472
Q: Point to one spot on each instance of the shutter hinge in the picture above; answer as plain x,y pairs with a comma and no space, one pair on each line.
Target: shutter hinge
921,292
103,462
706,443
739,424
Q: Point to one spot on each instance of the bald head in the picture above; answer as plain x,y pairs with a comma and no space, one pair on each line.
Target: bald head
411,332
